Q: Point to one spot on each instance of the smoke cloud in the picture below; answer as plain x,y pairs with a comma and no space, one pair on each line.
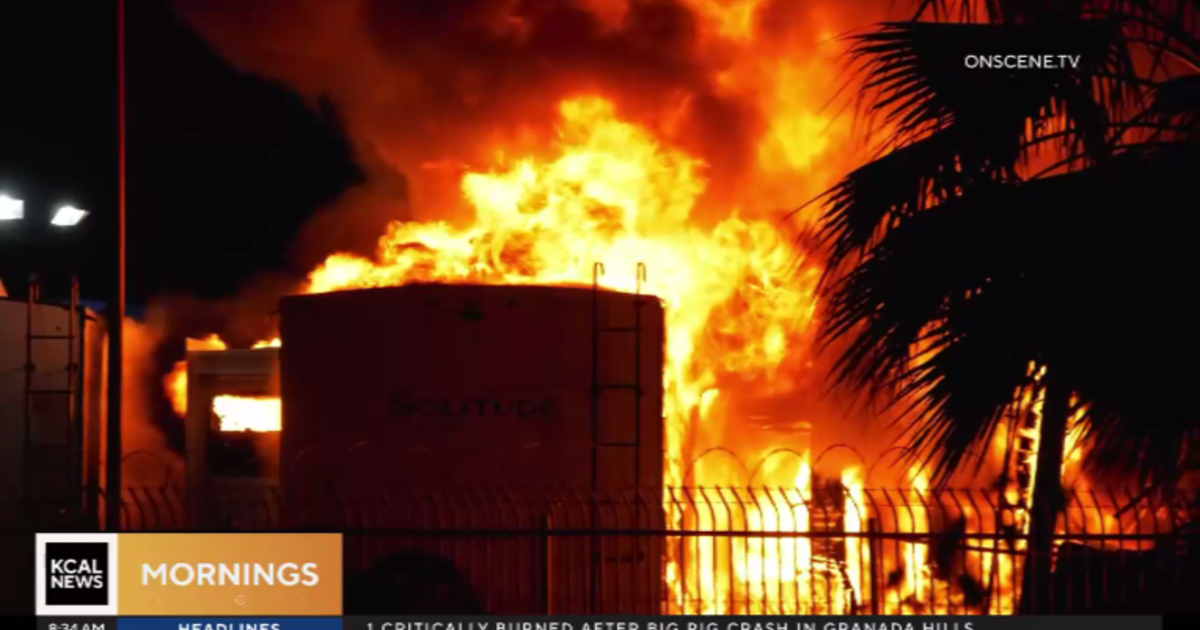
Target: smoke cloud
149,460
429,88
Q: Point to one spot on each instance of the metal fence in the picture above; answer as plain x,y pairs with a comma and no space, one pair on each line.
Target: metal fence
717,550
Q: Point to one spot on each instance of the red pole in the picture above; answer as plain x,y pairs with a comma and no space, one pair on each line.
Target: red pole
112,502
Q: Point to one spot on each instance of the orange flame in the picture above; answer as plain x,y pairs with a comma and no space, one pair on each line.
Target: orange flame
858,552
617,195
738,305
248,413
739,294
236,413
741,304
175,383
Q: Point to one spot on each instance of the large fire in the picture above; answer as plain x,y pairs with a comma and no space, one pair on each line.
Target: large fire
741,302
737,302
741,309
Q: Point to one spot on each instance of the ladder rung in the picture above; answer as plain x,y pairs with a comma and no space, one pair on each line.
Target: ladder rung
618,444
51,337
618,386
618,329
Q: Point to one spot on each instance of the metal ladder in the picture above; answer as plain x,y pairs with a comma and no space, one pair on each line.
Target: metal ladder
599,388
52,469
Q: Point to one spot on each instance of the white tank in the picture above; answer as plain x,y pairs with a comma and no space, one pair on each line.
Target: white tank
64,439
449,385
470,394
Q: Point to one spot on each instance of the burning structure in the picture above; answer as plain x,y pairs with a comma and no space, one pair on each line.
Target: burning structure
225,389
521,178
738,418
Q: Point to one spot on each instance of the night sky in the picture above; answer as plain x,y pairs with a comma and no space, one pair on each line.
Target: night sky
223,167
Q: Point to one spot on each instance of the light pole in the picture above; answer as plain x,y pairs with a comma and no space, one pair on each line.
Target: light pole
112,481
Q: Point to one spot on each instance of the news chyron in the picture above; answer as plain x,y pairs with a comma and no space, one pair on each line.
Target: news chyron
189,575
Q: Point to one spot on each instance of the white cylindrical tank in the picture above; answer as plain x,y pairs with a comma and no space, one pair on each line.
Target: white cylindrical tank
43,472
450,385
483,393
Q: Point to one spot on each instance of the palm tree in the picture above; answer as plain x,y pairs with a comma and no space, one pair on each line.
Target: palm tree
957,261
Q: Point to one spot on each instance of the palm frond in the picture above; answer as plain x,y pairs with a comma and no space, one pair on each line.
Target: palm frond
962,388
1128,349
995,11
903,182
957,127
963,273
1167,26
920,82
1177,102
922,268
984,284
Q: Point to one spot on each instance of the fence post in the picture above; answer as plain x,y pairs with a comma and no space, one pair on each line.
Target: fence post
874,544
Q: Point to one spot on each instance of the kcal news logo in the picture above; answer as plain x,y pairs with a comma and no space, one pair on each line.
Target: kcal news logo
76,574
169,574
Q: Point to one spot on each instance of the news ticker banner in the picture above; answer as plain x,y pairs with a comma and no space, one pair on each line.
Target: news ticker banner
152,581
614,623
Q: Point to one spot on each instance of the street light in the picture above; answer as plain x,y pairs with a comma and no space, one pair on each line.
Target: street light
11,209
67,216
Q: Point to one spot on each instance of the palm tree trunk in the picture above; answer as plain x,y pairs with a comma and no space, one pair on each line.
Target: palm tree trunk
1048,499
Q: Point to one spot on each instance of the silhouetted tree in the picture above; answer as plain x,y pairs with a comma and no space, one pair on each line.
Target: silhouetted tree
958,260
